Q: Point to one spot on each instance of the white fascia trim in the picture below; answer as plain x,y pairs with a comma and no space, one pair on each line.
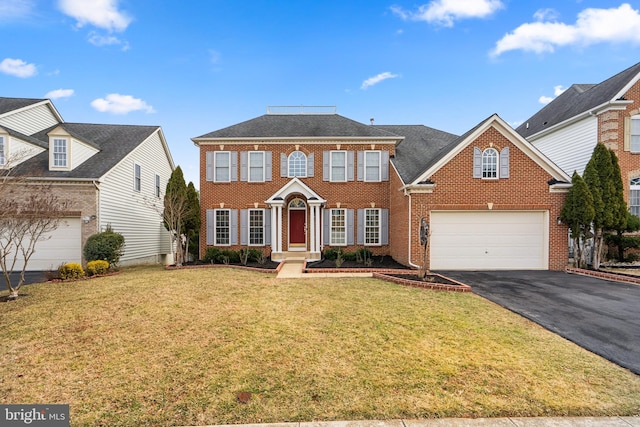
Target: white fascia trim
418,188
628,86
300,140
607,106
562,187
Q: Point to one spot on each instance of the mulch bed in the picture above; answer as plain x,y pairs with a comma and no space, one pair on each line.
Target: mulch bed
431,281
378,262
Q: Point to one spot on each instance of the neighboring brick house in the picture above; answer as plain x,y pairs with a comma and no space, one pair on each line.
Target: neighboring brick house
569,127
298,184
110,175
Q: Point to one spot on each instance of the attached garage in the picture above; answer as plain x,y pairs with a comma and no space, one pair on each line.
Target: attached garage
61,246
489,240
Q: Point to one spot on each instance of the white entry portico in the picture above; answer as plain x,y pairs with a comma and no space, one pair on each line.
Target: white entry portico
279,204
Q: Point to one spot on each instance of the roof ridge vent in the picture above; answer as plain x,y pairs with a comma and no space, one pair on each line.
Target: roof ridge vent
302,109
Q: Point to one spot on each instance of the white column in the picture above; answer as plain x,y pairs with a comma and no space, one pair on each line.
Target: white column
274,228
312,228
318,216
279,229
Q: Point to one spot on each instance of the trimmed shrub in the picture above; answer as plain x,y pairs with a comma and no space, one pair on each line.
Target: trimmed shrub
211,255
107,246
71,270
331,254
97,267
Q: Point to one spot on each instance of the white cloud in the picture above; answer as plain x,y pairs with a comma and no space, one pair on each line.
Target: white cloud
16,9
99,13
615,25
546,15
120,104
59,93
17,67
377,79
557,91
445,12
100,40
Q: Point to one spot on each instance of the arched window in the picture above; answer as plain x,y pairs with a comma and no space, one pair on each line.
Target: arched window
634,196
490,163
297,164
297,203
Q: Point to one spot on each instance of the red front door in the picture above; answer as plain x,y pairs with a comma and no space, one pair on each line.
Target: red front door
296,227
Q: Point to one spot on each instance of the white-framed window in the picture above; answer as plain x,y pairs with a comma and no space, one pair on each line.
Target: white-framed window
60,153
372,226
635,134
634,196
297,163
372,167
256,227
256,166
338,166
222,166
137,177
338,219
222,224
490,163
157,185
3,152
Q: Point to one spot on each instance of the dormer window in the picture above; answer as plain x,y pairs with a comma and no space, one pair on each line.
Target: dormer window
60,153
3,151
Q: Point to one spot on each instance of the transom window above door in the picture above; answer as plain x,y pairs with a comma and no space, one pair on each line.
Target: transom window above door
297,203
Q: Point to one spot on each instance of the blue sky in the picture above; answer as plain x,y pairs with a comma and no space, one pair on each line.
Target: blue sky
194,67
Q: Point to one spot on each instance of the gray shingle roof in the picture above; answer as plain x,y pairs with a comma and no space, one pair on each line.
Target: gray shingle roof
578,99
421,148
298,126
115,142
10,104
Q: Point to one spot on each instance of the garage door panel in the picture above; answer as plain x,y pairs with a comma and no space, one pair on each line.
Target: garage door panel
60,246
488,240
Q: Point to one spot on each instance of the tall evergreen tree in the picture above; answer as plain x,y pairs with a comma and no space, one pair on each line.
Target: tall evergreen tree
192,219
578,212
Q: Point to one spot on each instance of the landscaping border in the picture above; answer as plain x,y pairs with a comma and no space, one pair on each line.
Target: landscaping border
614,277
235,266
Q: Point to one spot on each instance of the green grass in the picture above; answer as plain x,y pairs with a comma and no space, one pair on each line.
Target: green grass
156,347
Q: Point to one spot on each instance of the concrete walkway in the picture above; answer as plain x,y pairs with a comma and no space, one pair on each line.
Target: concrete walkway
467,422
292,269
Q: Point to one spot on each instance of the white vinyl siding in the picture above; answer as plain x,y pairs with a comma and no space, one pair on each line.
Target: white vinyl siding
3,150
489,240
129,212
30,120
571,147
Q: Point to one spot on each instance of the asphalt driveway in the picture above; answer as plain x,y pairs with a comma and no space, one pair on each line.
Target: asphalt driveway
596,314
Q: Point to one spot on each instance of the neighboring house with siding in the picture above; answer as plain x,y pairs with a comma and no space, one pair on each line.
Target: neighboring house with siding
295,185
569,127
110,174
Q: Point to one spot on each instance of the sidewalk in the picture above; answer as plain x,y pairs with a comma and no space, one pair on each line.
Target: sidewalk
468,422
292,269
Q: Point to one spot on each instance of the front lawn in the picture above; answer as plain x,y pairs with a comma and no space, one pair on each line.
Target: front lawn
157,347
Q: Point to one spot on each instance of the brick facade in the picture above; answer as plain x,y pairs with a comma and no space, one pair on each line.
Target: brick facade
455,188
245,195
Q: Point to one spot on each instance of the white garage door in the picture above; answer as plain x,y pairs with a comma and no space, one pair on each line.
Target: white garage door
489,240
63,246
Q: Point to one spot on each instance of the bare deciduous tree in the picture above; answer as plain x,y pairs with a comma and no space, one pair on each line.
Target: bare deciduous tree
28,213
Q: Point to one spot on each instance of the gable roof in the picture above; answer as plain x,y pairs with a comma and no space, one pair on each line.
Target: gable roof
9,105
580,99
288,126
450,150
421,146
115,142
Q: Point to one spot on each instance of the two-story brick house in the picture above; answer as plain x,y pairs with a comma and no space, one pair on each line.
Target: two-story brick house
303,183
568,128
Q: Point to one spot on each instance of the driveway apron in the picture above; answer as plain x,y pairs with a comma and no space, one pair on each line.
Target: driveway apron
598,315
